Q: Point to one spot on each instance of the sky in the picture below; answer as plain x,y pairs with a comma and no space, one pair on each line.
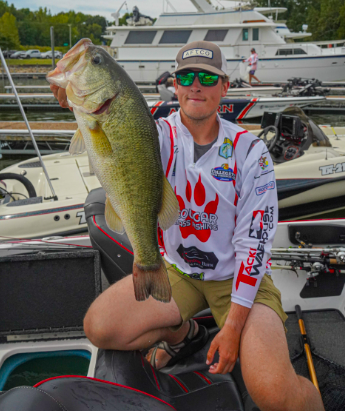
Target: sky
104,8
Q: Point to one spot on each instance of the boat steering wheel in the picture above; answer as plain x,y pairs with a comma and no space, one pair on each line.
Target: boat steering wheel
270,144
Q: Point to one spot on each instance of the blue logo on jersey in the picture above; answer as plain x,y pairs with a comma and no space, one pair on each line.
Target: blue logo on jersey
225,150
223,173
262,190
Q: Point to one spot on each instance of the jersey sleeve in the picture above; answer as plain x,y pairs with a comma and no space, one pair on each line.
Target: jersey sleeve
256,224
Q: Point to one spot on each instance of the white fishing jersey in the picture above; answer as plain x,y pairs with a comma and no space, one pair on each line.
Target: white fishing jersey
228,206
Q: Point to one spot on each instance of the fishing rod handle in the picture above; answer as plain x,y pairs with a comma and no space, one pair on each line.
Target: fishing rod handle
299,312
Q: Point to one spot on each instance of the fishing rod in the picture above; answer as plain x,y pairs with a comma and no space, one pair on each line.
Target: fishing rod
314,261
3,61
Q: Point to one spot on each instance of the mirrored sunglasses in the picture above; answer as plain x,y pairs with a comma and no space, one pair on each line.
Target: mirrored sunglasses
206,79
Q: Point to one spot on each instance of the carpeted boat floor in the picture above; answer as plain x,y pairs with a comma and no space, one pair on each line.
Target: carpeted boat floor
326,330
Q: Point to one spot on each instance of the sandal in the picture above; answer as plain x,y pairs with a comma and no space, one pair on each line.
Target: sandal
187,347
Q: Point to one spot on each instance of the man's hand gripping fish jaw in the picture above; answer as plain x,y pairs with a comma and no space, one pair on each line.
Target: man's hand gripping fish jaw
88,89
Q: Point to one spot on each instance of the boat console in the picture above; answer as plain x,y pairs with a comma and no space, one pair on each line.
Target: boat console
293,134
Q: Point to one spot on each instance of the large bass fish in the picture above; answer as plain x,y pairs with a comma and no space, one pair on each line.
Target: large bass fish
117,129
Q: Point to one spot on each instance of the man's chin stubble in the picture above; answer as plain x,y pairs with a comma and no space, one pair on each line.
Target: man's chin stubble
201,117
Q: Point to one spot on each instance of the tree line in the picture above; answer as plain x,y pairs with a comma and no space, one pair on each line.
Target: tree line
325,18
23,27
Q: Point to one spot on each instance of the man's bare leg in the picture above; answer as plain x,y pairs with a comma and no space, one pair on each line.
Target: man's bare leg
267,371
117,321
250,79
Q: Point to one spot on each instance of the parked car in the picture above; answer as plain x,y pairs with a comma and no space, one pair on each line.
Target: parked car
49,54
18,55
32,54
8,53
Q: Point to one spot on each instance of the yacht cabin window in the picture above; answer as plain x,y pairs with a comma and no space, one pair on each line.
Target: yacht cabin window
215,35
140,37
289,52
245,35
175,36
255,34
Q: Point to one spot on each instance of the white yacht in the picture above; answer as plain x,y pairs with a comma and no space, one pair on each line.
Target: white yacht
147,51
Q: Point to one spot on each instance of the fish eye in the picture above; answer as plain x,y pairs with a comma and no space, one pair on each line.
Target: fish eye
97,59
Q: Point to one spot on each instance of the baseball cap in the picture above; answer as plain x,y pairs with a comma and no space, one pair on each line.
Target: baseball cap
252,49
201,55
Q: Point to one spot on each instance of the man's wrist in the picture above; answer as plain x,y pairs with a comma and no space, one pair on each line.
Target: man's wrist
237,317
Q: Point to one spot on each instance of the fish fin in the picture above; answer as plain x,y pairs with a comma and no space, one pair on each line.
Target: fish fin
170,209
77,145
112,219
151,281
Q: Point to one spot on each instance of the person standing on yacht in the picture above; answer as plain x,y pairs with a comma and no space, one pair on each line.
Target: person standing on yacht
253,64
217,253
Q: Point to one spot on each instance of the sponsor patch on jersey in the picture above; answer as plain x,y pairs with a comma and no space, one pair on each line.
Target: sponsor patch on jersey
256,225
197,258
197,53
223,173
225,150
262,190
263,162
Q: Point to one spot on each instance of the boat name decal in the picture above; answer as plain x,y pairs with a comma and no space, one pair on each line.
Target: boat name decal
263,189
82,218
331,169
197,53
225,108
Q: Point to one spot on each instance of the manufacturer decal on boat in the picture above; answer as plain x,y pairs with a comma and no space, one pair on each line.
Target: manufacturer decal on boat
331,169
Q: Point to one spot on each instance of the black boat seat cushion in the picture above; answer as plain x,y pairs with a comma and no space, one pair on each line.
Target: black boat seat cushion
193,390
79,394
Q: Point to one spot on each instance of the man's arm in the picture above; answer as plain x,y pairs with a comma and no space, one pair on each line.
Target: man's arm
256,222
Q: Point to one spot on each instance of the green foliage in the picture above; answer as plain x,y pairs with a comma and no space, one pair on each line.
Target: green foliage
325,18
33,27
9,31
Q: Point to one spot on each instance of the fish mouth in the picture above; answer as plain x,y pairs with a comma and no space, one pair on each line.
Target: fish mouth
105,106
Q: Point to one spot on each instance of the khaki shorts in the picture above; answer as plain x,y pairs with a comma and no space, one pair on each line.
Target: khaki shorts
192,296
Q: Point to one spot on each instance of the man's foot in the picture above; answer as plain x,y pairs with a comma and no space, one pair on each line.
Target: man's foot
162,357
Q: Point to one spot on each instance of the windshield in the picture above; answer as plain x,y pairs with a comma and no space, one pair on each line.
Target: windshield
315,134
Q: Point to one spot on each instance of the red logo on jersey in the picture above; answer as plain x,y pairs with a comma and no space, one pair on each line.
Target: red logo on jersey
244,272
199,223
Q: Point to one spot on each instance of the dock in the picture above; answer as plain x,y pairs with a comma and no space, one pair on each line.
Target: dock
53,137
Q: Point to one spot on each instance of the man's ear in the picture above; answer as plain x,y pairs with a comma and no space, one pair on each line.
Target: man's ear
225,87
175,85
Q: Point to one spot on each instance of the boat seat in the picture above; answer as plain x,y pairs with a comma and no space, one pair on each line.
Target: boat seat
73,393
115,249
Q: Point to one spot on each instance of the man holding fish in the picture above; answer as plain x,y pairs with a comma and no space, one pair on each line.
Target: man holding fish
216,249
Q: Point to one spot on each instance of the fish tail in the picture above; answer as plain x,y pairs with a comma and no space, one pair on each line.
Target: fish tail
152,280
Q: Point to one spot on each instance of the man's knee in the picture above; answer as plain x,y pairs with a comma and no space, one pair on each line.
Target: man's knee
270,393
